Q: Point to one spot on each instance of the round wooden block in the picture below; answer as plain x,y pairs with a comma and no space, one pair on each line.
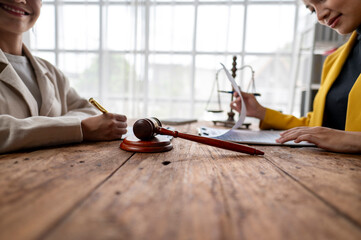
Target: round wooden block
157,144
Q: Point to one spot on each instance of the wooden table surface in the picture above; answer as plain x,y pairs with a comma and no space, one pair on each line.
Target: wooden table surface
98,191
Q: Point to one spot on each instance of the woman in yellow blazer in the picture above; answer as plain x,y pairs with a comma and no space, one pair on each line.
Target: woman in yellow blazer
37,105
325,126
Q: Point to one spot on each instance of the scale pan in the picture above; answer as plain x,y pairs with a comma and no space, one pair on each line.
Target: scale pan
215,111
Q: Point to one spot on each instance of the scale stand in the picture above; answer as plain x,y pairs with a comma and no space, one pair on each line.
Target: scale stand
230,121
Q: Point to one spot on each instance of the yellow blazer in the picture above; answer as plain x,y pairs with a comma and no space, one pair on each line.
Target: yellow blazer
331,69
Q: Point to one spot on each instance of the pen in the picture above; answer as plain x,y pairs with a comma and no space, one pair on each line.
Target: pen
97,105
254,94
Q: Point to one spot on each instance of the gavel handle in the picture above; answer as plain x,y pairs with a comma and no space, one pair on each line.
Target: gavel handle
211,141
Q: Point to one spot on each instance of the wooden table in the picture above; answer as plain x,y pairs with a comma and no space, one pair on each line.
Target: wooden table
97,191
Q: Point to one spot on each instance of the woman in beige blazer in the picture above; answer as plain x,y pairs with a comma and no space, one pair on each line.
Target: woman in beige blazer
335,123
58,115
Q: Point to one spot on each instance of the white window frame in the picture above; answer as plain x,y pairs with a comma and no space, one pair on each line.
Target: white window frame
193,53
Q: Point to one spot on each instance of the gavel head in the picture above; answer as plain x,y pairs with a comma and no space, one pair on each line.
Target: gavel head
146,128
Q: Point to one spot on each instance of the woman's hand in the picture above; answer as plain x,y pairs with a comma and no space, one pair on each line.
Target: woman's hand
107,126
254,109
326,138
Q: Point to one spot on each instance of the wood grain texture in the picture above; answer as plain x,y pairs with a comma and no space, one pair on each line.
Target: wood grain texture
97,191
38,188
199,192
336,178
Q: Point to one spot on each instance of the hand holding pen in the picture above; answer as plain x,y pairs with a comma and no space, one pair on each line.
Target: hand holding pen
104,127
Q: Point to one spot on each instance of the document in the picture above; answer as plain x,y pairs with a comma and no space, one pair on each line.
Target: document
260,137
242,114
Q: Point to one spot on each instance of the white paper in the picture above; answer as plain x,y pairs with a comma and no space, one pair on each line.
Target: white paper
243,112
245,136
262,137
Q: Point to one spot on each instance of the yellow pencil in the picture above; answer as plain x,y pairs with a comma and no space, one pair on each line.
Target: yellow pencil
97,105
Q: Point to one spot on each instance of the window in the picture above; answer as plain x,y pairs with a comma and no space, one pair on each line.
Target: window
159,58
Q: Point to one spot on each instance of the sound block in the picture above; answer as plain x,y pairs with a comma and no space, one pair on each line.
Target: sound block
157,144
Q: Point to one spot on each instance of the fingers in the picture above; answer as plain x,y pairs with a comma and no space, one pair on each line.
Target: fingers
117,117
106,126
116,133
287,132
120,117
326,138
291,134
236,106
299,134
119,121
309,138
254,109
117,126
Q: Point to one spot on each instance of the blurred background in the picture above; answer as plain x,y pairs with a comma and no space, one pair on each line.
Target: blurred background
160,58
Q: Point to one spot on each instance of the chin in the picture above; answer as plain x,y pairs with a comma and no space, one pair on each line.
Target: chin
344,31
341,32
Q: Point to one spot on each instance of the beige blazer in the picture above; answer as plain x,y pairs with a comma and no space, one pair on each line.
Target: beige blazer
22,124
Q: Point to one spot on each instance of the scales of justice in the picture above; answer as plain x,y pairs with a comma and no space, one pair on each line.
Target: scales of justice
229,122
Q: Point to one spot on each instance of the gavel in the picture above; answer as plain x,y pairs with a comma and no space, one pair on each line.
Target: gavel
147,128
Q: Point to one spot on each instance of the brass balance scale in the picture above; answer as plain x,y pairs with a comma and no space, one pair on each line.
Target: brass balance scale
229,122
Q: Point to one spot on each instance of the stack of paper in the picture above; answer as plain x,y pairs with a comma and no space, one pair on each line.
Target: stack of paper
262,137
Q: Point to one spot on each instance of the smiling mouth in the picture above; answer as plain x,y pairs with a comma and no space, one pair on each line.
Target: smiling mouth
333,21
13,10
